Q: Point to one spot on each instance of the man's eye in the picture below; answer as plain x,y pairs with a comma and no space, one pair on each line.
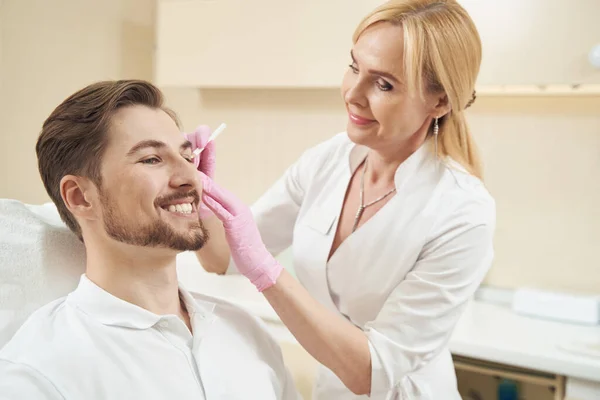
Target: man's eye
151,160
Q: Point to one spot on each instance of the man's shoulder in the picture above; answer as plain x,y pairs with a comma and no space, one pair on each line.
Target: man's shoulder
228,309
241,319
246,340
30,358
41,338
22,381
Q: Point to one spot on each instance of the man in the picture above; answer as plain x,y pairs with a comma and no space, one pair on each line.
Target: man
124,179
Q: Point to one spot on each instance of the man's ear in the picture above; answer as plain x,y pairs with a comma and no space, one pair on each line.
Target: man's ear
78,195
442,106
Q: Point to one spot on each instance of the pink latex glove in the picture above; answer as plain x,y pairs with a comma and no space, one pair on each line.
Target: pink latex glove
206,161
249,253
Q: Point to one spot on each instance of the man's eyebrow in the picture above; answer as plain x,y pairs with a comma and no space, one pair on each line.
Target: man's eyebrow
185,146
156,145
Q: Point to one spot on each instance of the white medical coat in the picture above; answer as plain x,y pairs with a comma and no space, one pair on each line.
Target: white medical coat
403,277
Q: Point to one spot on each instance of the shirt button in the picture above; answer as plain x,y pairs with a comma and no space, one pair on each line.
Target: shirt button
163,324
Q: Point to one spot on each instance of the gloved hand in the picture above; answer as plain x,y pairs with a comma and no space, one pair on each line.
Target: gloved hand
205,162
249,253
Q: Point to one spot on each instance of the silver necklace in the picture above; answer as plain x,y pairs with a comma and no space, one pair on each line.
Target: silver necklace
362,206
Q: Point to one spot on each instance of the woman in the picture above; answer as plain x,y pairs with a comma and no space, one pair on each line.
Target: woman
390,224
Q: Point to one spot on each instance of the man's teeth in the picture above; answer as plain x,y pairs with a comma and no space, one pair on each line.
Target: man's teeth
185,208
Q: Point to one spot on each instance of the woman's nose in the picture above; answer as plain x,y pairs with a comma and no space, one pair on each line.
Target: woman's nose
354,94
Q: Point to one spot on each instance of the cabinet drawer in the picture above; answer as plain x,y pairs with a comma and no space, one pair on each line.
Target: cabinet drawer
479,380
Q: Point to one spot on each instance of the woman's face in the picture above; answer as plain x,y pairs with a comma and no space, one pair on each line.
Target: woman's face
381,113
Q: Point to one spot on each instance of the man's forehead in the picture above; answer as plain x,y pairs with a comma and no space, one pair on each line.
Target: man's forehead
131,125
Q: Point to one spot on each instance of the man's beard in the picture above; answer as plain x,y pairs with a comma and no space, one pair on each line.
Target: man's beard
155,234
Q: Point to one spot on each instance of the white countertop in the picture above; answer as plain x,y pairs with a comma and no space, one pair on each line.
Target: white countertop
495,333
485,331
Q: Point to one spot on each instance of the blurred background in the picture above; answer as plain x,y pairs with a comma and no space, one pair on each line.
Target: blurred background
271,70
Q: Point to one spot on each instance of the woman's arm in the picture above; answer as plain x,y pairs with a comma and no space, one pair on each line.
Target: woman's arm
332,340
414,324
214,256
416,320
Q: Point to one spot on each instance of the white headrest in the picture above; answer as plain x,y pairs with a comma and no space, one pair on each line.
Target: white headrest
40,261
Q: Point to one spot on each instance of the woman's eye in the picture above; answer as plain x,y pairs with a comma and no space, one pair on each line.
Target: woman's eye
151,160
384,86
354,68
189,159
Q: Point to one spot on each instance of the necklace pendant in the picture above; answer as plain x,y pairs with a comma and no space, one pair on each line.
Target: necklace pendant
359,212
357,217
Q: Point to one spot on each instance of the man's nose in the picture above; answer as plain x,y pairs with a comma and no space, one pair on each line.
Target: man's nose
185,175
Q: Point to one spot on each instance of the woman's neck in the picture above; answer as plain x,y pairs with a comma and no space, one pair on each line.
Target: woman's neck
383,163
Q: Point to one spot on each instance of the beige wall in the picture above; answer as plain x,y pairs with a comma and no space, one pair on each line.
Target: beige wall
542,154
1,80
50,49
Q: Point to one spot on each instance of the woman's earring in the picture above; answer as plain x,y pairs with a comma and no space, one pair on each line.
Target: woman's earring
436,129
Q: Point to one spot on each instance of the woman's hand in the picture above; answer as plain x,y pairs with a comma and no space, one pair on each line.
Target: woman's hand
249,253
206,161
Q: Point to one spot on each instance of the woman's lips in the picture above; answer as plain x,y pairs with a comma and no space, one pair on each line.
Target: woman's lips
358,120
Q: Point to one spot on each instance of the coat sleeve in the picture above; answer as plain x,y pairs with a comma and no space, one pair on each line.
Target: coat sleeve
417,319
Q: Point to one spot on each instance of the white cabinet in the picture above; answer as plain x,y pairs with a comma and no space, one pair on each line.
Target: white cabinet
536,42
288,43
582,389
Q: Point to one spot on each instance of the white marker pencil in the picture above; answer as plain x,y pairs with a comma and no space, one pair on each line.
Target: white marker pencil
212,137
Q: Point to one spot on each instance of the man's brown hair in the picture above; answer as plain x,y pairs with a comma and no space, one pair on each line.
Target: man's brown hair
74,137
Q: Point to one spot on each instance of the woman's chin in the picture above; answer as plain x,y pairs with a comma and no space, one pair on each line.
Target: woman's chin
360,136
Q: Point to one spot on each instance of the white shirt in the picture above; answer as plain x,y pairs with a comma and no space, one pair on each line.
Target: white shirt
403,277
92,345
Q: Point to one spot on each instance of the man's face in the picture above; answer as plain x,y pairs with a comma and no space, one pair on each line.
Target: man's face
150,188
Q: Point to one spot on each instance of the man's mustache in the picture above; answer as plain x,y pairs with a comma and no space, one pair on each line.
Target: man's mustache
161,201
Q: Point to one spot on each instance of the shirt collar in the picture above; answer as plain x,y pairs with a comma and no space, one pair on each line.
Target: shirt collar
111,310
420,159
202,308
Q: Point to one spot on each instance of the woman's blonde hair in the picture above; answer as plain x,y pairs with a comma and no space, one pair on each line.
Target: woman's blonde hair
442,50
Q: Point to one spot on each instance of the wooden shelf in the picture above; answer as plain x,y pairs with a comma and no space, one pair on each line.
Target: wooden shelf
482,91
541,90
